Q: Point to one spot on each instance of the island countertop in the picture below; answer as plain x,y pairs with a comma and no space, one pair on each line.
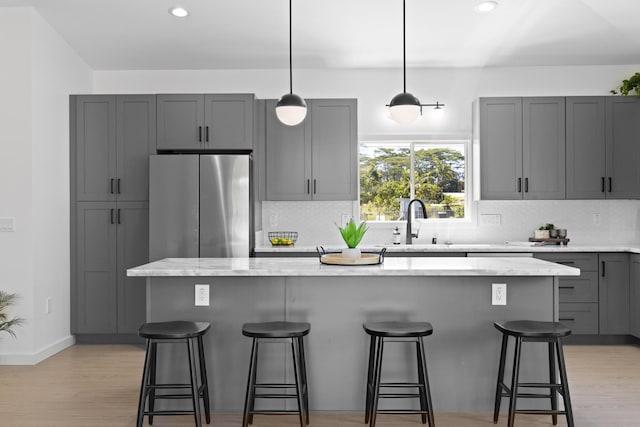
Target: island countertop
309,267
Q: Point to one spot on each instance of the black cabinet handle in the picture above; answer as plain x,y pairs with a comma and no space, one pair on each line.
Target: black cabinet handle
602,184
206,138
118,186
111,216
199,133
519,185
603,263
610,185
566,262
526,185
119,221
314,186
567,319
567,287
308,188
111,186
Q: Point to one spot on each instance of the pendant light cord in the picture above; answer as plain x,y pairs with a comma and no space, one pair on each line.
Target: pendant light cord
404,48
290,53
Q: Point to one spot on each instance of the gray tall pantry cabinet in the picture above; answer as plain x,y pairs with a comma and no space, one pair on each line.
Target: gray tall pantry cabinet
522,148
111,139
315,160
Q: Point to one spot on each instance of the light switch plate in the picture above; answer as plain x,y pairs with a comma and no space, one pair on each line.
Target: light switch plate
490,219
202,295
498,294
7,224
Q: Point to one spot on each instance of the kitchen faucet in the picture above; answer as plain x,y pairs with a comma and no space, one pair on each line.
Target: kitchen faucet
410,235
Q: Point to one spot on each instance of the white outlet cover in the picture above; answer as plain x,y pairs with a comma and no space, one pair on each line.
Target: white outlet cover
498,294
202,295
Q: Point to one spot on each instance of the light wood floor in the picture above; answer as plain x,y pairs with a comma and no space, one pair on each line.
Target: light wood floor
98,386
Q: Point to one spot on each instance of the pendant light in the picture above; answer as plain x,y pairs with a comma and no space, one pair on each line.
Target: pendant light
404,107
291,108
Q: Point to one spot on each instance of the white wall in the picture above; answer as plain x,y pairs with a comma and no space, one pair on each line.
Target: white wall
44,71
457,88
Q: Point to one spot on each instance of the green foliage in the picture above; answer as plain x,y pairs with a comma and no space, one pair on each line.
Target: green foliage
629,85
547,227
352,234
6,301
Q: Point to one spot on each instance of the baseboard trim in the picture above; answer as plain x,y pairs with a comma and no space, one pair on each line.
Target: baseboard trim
38,356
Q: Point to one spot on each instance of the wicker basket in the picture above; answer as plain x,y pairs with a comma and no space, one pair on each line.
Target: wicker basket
282,238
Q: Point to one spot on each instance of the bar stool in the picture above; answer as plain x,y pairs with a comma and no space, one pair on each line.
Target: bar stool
174,332
524,331
292,332
397,332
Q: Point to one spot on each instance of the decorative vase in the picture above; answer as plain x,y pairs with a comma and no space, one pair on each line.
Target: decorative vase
351,253
541,234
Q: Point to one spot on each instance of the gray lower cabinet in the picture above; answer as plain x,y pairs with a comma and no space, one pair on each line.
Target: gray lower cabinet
614,293
578,305
110,237
315,160
634,291
522,148
205,122
112,138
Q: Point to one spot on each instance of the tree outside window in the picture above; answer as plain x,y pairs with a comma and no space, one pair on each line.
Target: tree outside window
391,174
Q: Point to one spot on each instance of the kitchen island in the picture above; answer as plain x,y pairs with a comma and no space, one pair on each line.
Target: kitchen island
454,294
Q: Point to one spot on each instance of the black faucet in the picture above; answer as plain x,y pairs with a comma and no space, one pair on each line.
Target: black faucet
410,235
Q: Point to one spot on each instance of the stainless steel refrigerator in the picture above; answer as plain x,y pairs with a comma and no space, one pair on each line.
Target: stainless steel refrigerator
200,206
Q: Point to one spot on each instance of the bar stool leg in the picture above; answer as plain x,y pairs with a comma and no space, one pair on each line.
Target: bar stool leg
421,384
552,380
427,388
372,350
498,400
143,387
152,380
248,401
305,388
204,381
195,396
298,379
376,381
565,383
514,382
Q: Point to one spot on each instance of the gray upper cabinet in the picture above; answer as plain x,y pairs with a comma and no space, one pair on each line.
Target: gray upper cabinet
522,148
586,174
114,137
623,147
614,293
205,122
317,159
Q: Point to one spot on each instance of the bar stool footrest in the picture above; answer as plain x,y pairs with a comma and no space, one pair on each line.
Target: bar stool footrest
540,412
398,395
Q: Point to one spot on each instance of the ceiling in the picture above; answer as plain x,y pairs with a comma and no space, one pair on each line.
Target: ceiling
253,34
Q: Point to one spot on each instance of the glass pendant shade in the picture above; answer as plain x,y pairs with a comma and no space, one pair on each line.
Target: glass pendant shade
405,108
291,109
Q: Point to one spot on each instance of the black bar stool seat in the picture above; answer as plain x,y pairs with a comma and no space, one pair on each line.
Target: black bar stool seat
293,332
190,333
533,331
412,332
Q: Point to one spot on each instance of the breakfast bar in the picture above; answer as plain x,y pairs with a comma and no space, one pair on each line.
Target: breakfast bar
453,294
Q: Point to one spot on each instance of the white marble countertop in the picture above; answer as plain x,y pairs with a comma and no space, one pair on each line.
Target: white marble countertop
400,266
508,247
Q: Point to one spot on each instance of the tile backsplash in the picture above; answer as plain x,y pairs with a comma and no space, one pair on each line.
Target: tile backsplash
587,222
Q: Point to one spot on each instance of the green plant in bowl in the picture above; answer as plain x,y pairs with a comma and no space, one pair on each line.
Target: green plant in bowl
352,234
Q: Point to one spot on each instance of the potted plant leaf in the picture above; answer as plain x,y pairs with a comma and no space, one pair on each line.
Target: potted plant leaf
6,301
352,234
632,84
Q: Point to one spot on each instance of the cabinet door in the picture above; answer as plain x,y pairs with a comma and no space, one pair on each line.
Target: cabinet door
635,296
623,147
614,294
585,147
133,250
228,122
95,135
288,157
136,139
543,148
501,148
95,299
180,122
334,149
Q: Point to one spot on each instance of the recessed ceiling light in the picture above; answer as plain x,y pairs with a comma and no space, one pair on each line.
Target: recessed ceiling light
486,6
178,12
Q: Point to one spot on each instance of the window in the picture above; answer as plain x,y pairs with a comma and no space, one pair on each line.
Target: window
393,173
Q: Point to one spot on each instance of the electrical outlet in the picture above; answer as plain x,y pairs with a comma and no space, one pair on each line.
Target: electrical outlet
8,224
273,220
490,219
47,306
498,294
596,219
202,294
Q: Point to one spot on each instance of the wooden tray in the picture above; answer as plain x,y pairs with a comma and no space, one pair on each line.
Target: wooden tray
338,259
550,241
